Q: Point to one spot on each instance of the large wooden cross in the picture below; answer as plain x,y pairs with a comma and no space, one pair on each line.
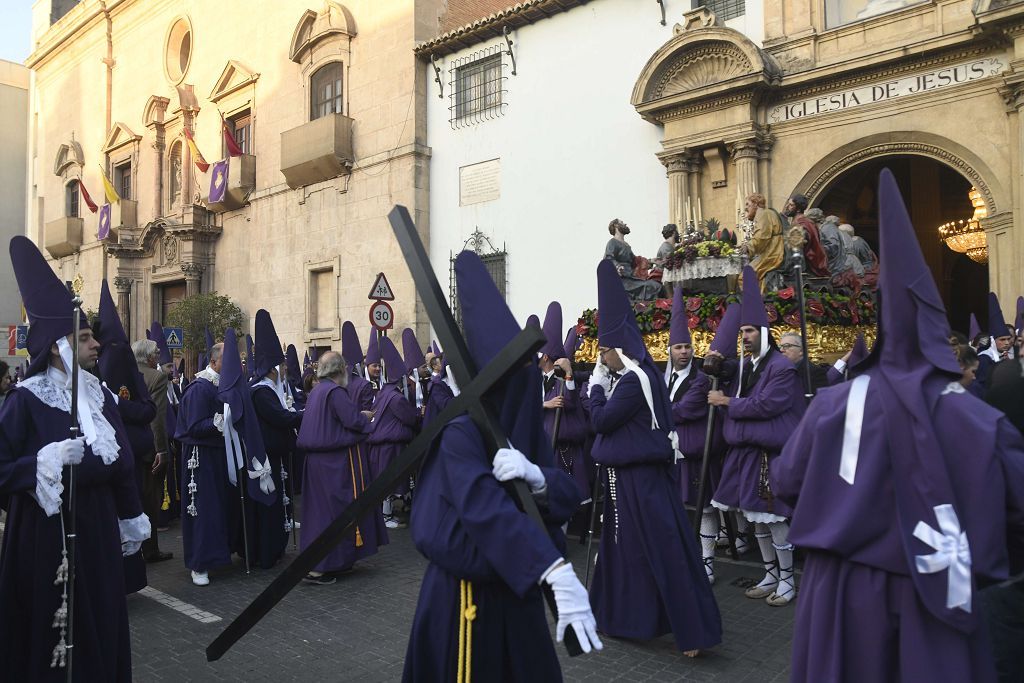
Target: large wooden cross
472,400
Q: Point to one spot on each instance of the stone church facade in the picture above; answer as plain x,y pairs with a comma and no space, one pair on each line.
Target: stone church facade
324,100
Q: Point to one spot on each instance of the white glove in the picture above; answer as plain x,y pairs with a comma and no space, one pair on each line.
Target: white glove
512,464
218,422
573,607
71,450
601,378
130,547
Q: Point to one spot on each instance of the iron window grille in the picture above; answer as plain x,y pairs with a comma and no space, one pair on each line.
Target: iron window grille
495,261
724,9
477,87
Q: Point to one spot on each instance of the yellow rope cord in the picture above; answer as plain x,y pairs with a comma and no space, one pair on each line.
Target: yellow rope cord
355,494
467,614
165,504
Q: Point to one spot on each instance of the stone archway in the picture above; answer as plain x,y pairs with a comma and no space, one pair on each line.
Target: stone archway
822,175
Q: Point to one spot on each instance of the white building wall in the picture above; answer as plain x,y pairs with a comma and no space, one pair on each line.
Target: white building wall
574,153
14,101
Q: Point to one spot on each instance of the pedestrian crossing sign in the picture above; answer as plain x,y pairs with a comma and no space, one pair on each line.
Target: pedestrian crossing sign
174,336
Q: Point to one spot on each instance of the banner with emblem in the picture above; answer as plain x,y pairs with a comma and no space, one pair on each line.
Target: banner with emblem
104,231
219,181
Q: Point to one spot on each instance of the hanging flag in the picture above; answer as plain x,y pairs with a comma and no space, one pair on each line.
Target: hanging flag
108,188
229,141
104,231
197,156
85,196
219,181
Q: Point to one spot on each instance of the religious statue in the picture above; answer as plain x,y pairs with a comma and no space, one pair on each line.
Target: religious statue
621,254
765,247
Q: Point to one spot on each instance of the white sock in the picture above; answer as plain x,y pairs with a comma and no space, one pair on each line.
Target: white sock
771,566
742,529
784,551
708,534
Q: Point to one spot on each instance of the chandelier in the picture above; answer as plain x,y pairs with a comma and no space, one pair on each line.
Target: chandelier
968,237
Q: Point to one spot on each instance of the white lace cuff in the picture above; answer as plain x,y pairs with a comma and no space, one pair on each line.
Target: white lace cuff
133,532
218,422
49,486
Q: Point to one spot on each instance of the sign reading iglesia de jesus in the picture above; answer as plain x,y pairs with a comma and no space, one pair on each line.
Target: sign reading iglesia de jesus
928,81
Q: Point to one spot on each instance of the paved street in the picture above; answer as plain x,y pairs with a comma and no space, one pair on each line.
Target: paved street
356,630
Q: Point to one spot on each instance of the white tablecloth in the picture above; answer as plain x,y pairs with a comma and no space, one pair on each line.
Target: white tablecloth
706,267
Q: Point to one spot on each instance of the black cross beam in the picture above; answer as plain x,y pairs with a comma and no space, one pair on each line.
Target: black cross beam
474,386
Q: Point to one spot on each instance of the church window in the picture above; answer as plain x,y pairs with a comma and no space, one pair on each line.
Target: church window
724,9
325,94
495,262
123,180
478,89
240,126
841,12
178,50
71,200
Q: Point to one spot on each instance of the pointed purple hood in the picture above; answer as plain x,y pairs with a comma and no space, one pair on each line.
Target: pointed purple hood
679,326
210,341
728,332
234,390
572,339
553,331
351,349
752,312
108,328
996,322
974,329
411,350
1018,322
490,326
267,355
156,333
394,367
859,351
291,359
616,324
373,348
910,367
47,302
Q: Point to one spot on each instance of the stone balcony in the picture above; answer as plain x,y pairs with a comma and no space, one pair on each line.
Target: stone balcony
63,237
317,151
241,181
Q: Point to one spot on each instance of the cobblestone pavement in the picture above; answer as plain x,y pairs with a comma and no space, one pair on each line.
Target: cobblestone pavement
356,629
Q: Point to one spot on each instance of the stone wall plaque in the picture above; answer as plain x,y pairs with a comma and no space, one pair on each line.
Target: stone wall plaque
480,182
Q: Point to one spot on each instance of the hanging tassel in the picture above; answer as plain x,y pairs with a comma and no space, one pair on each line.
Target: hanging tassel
62,569
193,465
359,538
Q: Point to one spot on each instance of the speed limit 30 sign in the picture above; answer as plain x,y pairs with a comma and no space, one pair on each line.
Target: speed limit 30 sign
381,315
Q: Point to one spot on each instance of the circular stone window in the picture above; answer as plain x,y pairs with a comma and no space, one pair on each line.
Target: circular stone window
178,50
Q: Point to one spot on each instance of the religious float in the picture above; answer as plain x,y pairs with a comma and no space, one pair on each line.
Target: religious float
706,265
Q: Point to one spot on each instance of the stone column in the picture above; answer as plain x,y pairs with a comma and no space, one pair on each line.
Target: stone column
765,142
744,157
193,277
1005,243
679,166
123,285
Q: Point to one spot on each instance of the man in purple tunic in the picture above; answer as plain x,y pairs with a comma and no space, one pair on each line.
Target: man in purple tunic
371,363
359,389
649,579
562,396
760,413
210,505
394,424
333,435
439,391
109,522
906,490
480,613
278,421
118,371
1000,344
688,389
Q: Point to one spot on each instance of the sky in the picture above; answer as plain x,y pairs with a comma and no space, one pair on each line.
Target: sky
15,29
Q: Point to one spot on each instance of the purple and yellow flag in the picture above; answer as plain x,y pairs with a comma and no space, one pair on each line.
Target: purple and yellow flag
219,181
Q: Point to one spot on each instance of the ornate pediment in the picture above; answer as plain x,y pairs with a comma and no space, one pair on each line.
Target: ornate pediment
701,60
699,67
234,77
334,20
68,154
119,136
155,109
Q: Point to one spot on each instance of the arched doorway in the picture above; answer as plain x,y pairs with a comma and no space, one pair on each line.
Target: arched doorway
935,194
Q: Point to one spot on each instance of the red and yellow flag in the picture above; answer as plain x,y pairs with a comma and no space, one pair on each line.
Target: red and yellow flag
108,188
197,156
